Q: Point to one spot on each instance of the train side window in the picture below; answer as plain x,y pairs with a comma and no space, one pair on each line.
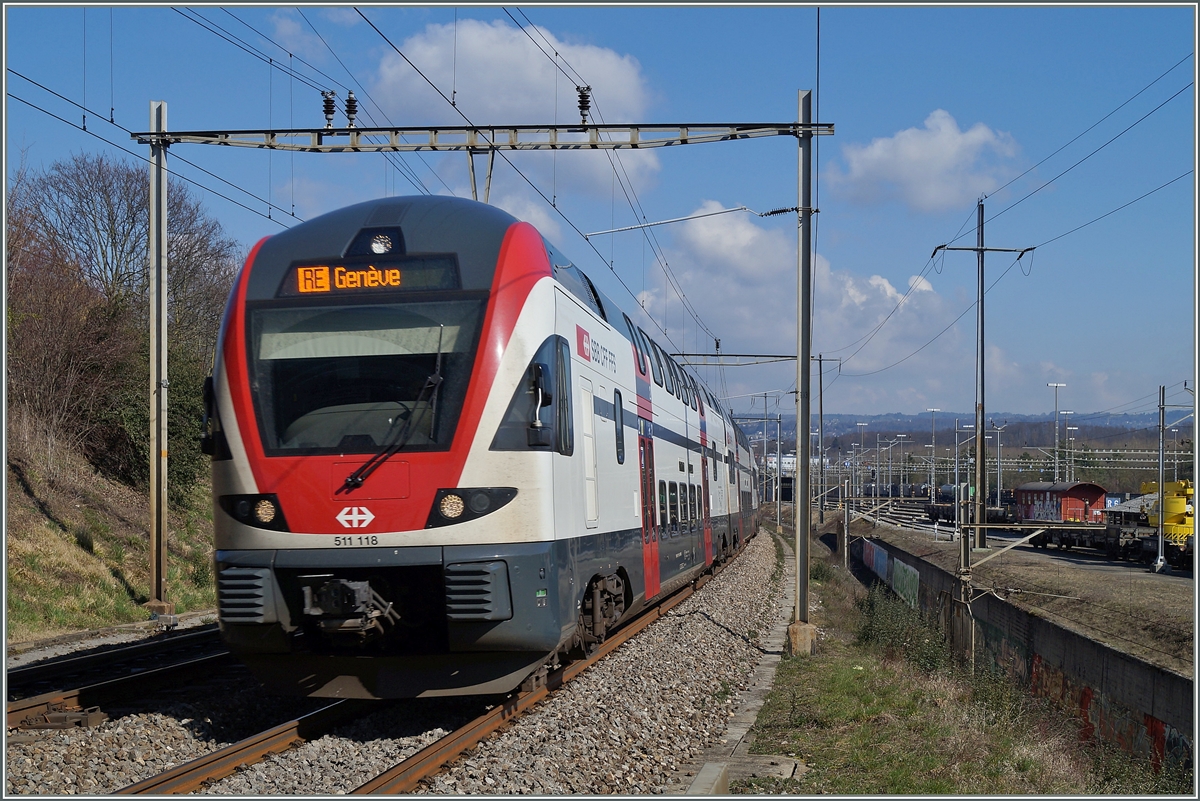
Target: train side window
695,392
666,367
673,508
674,387
652,357
663,518
565,424
619,421
637,345
692,501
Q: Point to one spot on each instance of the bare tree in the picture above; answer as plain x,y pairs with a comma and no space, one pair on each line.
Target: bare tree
78,330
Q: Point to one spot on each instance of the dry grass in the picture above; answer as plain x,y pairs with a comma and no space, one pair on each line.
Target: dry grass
880,708
1125,606
78,548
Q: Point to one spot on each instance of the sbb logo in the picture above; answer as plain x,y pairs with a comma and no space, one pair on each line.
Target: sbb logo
355,517
583,342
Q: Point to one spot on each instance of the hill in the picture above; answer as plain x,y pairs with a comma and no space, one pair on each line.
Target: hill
78,548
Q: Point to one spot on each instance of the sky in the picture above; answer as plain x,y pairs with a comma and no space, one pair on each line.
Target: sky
1074,124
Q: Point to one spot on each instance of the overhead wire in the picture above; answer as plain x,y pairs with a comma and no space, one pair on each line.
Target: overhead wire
232,38
143,158
504,156
174,156
615,162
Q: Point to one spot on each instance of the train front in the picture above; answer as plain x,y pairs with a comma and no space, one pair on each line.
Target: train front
365,545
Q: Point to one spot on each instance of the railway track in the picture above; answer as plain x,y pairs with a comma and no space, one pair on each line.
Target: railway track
407,774
81,686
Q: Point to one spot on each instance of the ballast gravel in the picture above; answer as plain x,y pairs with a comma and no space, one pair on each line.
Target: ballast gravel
628,725
634,719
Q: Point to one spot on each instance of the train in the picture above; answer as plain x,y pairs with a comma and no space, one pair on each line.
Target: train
1074,514
444,462
998,510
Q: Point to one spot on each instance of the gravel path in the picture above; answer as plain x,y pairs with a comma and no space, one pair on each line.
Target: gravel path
627,726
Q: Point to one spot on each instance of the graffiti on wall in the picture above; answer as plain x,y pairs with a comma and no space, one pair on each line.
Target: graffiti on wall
1137,733
906,581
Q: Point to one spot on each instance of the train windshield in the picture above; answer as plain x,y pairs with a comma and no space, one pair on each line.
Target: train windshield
353,379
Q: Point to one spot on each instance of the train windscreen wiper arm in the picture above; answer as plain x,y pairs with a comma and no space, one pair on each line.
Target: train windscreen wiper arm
356,479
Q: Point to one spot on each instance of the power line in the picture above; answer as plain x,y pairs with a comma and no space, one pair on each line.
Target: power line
997,280
960,233
1089,155
143,158
1114,211
508,160
626,182
1093,125
126,130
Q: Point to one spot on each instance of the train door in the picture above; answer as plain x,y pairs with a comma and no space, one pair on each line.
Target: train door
587,426
705,504
650,532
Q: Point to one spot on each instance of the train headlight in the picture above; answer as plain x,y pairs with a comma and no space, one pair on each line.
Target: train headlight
479,502
264,511
381,243
451,506
458,505
260,511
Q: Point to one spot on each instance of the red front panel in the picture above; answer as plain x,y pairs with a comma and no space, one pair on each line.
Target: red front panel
310,488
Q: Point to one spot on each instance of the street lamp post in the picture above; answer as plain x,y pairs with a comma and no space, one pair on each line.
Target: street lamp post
1175,450
862,447
933,453
999,461
1071,453
1056,388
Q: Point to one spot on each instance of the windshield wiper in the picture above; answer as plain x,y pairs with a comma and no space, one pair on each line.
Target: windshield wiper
356,479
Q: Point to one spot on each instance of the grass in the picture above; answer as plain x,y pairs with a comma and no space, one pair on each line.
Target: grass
881,707
78,551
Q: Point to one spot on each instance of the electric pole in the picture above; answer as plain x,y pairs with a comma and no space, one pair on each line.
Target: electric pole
157,269
980,451
820,360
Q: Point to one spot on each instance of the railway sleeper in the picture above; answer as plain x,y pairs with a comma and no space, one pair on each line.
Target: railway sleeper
61,716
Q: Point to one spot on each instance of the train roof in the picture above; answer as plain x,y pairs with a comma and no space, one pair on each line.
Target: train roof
1057,486
428,224
1139,505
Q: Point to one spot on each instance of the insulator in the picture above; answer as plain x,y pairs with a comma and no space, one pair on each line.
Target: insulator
351,108
330,107
585,101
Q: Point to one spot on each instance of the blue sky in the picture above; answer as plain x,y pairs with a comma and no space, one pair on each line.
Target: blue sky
932,106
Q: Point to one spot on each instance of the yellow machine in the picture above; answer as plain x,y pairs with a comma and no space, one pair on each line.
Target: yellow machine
1179,521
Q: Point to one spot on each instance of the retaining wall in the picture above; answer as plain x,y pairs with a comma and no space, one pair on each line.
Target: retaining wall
1146,709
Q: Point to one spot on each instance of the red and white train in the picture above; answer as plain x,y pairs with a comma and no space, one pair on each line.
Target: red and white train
442,460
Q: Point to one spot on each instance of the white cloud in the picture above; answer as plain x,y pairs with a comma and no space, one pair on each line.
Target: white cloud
741,277
294,34
346,17
534,212
495,74
931,168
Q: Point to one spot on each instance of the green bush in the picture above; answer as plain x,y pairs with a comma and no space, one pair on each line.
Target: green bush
891,624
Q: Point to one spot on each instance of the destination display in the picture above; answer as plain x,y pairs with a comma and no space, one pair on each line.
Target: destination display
411,274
